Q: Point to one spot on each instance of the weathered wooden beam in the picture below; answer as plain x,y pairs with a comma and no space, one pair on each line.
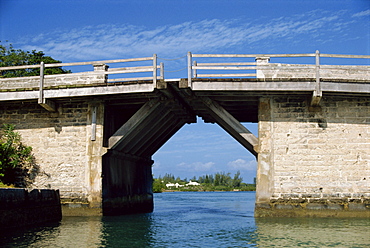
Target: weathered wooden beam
98,62
154,69
157,130
316,98
317,93
183,83
138,140
45,103
131,125
41,85
190,69
166,134
48,105
161,84
219,67
228,75
93,122
251,55
164,126
232,125
223,64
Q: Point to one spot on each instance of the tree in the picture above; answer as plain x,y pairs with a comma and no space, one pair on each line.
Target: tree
237,180
169,178
158,185
17,163
217,179
9,56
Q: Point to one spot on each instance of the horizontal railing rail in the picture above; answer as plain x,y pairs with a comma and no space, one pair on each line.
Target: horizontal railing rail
279,55
105,71
243,69
98,76
253,65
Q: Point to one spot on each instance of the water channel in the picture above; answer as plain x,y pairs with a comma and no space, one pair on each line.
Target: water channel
195,219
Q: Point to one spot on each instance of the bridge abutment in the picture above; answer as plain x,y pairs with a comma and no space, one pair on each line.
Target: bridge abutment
67,157
313,161
69,152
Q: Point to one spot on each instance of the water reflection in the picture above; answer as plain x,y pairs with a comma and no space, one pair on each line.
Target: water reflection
127,231
120,231
312,232
70,232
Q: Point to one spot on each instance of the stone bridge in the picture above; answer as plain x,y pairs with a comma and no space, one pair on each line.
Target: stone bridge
93,134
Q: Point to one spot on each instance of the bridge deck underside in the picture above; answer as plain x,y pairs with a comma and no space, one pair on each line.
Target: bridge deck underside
144,131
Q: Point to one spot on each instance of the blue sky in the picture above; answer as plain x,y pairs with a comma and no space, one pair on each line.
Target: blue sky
83,30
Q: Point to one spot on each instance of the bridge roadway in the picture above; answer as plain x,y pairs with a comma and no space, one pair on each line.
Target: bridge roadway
128,121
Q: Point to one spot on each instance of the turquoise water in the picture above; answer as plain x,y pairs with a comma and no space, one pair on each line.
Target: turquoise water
196,219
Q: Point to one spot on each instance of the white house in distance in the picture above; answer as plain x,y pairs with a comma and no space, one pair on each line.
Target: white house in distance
179,185
192,183
174,185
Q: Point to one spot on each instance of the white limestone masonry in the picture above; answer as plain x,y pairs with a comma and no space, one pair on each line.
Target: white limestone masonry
61,142
315,153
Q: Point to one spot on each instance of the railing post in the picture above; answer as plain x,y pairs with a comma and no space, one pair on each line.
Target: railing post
161,72
317,94
195,70
45,103
189,69
155,69
317,62
41,85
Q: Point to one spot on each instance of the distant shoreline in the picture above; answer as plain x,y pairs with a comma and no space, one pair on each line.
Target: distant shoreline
171,190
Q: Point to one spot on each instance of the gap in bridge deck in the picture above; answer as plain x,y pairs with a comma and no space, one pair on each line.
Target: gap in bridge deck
203,148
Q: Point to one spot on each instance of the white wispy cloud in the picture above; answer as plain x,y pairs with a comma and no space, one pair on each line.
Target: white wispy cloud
362,13
196,166
125,40
241,164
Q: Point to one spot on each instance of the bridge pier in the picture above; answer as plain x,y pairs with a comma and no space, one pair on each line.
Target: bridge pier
313,161
127,184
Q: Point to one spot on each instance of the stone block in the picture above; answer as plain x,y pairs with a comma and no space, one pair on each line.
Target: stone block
357,206
311,195
263,205
284,206
316,206
290,195
338,207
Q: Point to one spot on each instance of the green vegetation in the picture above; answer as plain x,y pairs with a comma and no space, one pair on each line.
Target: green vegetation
220,181
15,57
17,164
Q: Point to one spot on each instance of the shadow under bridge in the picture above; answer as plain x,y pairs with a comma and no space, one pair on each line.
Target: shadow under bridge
136,128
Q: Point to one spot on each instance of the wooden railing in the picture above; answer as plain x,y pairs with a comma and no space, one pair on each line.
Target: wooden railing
102,68
261,63
98,76
262,69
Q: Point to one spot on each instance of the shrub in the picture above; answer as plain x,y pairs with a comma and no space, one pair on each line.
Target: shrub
158,186
17,163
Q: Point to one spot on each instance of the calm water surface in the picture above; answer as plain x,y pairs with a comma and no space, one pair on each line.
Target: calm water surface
196,219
